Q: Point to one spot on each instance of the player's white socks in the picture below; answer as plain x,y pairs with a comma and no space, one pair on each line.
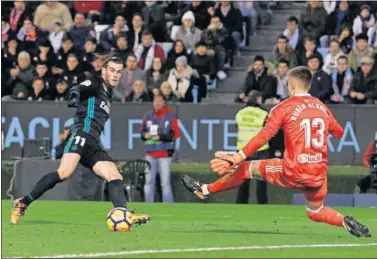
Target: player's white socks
205,190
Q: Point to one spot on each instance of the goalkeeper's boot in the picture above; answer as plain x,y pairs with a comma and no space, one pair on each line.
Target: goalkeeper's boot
193,186
355,228
139,219
18,210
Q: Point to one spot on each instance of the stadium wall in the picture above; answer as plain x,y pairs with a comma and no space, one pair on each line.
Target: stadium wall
205,129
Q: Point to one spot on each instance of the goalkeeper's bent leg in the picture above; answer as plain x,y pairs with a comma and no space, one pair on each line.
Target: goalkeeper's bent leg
325,215
231,180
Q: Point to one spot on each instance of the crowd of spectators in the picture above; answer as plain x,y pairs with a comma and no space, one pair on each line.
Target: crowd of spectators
336,40
49,46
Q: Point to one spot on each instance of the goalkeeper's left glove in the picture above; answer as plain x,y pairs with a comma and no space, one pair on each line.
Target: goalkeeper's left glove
223,163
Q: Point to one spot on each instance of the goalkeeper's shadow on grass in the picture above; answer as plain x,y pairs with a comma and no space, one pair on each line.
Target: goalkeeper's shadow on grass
251,232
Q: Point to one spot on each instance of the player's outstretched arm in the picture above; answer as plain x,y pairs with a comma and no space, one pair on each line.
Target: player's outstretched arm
334,127
82,90
223,163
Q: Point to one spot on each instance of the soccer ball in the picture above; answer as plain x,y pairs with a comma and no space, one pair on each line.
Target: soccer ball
119,219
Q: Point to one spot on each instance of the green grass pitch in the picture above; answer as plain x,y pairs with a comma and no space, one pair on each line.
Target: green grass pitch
52,228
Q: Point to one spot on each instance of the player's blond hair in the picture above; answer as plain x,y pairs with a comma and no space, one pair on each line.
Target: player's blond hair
302,74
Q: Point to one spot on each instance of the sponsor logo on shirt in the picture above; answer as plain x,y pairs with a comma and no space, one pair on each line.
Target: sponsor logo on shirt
310,159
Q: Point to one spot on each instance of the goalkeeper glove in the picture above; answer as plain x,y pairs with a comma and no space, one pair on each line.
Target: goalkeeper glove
74,98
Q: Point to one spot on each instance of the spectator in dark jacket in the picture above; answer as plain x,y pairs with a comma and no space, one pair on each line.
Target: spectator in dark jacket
154,20
283,51
73,73
338,19
80,31
42,72
364,84
127,8
45,53
122,50
90,47
313,20
346,40
341,82
134,35
258,79
321,83
310,48
67,48
177,50
231,18
9,60
108,37
139,93
201,13
38,93
203,62
156,75
214,36
61,90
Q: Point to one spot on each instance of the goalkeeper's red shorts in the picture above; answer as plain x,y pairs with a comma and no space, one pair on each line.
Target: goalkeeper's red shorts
272,171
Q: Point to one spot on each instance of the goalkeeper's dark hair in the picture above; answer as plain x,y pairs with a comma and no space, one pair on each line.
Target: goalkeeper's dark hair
303,74
113,59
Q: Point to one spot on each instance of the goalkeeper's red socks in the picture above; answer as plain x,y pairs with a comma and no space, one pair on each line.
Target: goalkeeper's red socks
326,215
231,180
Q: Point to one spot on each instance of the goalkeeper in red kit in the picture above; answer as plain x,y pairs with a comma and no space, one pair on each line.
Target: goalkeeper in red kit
306,123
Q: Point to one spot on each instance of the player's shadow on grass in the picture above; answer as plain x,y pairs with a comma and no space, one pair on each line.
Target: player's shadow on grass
48,222
251,232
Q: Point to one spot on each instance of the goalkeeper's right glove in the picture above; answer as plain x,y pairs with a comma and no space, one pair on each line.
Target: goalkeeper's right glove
74,98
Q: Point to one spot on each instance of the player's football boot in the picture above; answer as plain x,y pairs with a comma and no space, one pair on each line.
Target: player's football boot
355,228
139,219
18,210
193,186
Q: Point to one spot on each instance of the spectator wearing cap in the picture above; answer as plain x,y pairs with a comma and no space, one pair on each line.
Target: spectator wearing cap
203,62
282,50
56,36
90,47
231,18
38,91
108,37
81,31
258,79
188,33
167,91
17,15
292,31
45,53
50,11
310,48
62,56
202,13
154,20
282,83
313,20
130,74
321,82
156,75
27,35
338,19
364,84
135,33
214,36
361,50
365,23
331,60
43,73
250,121
159,131
21,77
176,51
122,50
61,90
341,81
72,71
139,93
181,78
147,50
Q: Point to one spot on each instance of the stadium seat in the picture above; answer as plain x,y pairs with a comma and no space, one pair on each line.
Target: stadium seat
167,46
243,43
100,28
134,177
174,30
212,85
323,52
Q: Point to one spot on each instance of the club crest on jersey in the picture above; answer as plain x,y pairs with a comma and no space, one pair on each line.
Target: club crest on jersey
105,106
